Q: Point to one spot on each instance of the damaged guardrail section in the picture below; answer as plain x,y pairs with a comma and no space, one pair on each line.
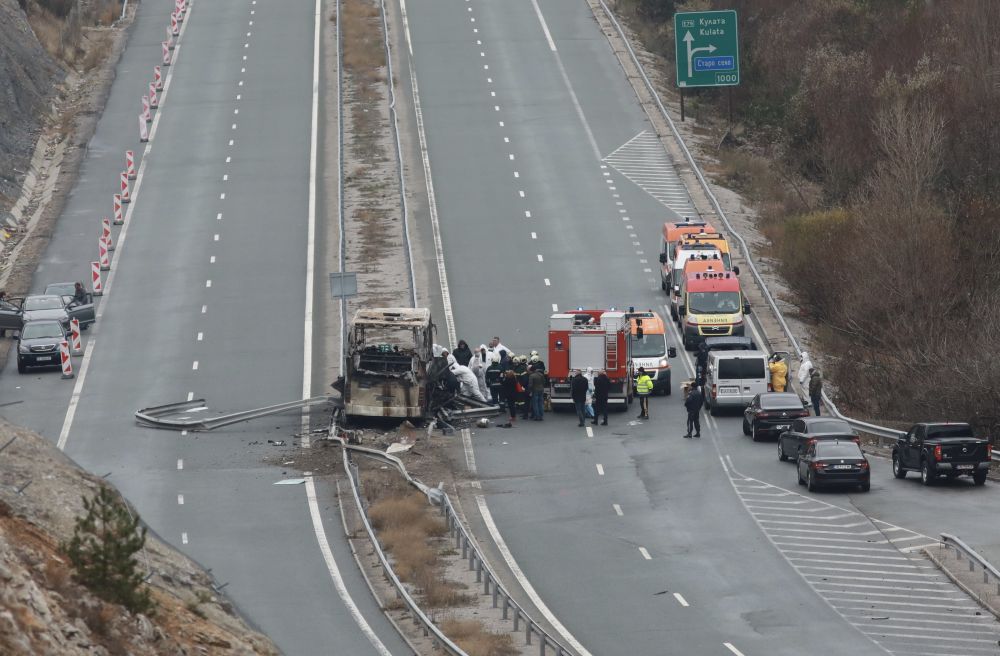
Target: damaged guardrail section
510,609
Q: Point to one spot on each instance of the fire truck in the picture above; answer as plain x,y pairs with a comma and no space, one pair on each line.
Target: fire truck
600,339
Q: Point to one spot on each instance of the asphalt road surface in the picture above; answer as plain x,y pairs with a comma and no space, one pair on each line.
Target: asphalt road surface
208,299
639,541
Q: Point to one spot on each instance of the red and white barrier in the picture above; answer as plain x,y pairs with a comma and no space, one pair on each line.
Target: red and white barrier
75,345
126,197
117,205
154,101
174,24
179,8
102,252
67,364
145,109
158,78
143,129
166,52
170,40
106,233
96,288
130,164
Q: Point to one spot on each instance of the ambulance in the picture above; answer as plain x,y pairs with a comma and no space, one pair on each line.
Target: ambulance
685,252
673,232
716,240
711,305
596,339
708,261
649,348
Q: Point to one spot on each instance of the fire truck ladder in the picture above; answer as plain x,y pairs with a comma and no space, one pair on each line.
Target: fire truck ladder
611,351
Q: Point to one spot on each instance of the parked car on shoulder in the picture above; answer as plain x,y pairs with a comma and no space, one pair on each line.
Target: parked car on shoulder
731,343
942,449
772,413
834,462
61,308
734,378
38,344
10,315
793,442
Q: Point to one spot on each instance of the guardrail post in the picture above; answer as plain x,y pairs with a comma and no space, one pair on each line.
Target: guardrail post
496,594
527,632
486,584
541,645
506,605
465,546
472,559
972,565
479,571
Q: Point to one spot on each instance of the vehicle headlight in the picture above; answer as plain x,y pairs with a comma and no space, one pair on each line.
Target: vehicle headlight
663,362
23,349
738,320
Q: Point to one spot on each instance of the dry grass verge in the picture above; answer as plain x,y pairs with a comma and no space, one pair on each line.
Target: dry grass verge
477,641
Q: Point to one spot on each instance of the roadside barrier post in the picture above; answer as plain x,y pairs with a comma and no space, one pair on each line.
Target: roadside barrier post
158,78
166,53
96,288
67,364
118,210
126,196
102,251
154,101
143,129
175,29
130,164
145,109
76,345
106,233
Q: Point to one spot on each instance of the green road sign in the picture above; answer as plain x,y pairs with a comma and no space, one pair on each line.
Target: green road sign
708,52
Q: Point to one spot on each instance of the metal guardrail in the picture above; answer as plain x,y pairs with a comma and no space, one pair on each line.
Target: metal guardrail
485,575
989,571
178,416
879,431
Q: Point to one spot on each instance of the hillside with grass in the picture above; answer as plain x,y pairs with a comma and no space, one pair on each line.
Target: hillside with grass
867,136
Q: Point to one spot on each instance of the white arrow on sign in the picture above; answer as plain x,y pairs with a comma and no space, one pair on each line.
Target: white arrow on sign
688,39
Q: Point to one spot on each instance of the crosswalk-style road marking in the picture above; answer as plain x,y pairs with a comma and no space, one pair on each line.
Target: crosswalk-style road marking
871,572
643,160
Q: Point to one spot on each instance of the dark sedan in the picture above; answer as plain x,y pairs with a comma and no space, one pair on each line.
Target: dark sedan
793,442
38,344
834,462
772,413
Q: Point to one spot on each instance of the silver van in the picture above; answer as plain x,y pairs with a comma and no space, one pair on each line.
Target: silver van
734,378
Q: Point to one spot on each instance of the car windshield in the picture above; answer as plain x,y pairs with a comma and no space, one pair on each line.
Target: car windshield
43,303
838,450
41,329
829,426
649,346
956,430
62,289
780,401
713,302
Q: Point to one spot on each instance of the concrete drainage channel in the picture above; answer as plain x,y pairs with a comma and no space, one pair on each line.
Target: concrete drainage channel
534,634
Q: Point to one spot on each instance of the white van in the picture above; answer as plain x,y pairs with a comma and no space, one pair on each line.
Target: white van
734,378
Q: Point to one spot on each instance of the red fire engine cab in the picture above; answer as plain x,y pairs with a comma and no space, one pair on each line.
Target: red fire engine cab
590,338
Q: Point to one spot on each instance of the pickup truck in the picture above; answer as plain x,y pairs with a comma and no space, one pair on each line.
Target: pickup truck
941,449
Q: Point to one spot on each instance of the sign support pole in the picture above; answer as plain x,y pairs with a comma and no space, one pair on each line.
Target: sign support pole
682,104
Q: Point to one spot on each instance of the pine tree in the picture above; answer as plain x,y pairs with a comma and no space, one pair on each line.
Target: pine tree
104,542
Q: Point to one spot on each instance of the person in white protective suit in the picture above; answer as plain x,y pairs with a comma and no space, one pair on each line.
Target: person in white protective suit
478,364
467,379
805,366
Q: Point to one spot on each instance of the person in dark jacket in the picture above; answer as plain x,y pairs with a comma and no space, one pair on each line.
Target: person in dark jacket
494,379
536,388
693,404
815,389
602,389
578,390
508,388
701,360
79,294
462,353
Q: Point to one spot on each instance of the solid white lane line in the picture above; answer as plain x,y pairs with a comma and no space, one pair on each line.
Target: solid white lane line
681,600
331,563
733,649
180,464
645,554
180,499
529,589
600,469
545,27
470,456
618,509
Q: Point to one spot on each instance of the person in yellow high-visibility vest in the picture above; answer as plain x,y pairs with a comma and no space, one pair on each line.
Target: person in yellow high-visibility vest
643,387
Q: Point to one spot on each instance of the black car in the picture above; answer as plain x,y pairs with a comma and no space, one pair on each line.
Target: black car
773,413
38,344
834,462
942,449
793,442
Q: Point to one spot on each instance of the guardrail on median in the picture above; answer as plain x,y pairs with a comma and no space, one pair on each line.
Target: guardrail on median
881,432
989,571
470,552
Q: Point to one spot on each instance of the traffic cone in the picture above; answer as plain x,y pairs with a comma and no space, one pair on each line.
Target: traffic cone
106,233
154,101
143,129
158,78
67,364
145,109
130,164
75,345
174,24
179,9
166,52
118,220
97,289
126,196
102,250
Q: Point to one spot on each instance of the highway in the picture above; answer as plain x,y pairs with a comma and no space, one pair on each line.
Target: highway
208,298
638,541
